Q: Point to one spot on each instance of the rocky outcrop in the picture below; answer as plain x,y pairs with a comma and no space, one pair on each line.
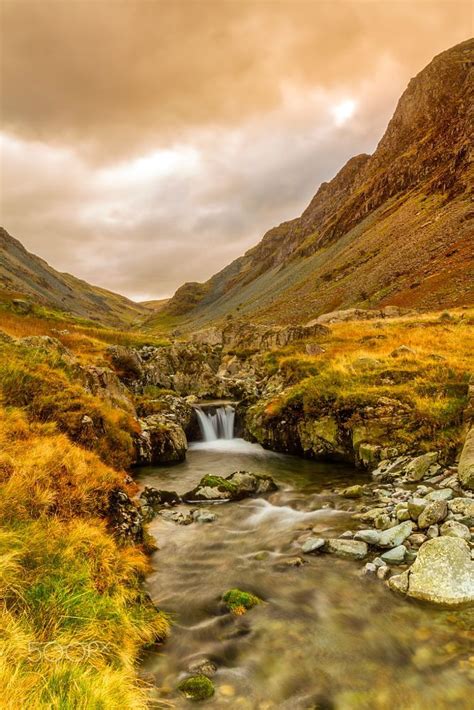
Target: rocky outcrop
340,252
160,441
361,433
125,518
443,574
242,335
104,383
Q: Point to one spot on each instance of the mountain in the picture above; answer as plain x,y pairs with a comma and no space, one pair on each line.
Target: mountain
27,274
394,227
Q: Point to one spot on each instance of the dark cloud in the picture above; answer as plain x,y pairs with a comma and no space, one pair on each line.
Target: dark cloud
149,143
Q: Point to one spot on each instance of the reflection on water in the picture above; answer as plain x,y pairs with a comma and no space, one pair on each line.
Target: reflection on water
326,637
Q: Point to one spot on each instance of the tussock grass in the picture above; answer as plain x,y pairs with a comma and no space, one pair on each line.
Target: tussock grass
73,616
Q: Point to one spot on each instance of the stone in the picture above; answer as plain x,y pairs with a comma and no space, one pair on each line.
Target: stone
393,537
350,549
395,556
415,507
403,514
312,544
161,441
369,454
432,532
353,491
240,484
203,516
433,513
371,537
443,574
370,568
378,562
453,528
417,539
463,506
383,572
383,522
466,462
418,467
440,494
403,351
203,667
176,516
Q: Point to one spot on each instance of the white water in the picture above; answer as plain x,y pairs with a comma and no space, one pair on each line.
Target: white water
219,425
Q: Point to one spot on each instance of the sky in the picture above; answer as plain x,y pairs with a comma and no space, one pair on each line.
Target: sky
145,143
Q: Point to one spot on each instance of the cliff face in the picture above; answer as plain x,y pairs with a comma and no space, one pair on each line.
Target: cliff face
25,273
376,233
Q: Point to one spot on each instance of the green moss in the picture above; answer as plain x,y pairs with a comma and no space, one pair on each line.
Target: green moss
210,481
238,602
198,687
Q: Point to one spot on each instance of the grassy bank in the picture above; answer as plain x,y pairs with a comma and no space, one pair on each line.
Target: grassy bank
73,613
421,363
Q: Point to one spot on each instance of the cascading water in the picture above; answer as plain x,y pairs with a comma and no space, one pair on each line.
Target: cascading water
216,425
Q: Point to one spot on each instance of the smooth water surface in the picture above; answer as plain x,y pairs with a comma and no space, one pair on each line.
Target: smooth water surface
326,637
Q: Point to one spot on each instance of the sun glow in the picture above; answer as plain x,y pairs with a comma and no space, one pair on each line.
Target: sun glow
343,111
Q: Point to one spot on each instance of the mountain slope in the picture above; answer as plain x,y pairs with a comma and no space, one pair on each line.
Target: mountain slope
394,227
25,273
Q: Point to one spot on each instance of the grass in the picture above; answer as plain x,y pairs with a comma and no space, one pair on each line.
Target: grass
357,369
73,614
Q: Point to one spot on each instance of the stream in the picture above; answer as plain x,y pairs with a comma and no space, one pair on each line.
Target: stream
327,636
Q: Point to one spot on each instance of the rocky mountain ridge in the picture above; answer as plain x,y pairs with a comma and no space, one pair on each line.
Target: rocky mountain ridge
379,230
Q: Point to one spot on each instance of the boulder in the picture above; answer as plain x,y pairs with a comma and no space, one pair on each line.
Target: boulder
403,351
433,513
440,494
161,441
238,485
350,549
443,573
466,462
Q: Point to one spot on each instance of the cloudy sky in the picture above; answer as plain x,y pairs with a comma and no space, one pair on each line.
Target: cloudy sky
146,143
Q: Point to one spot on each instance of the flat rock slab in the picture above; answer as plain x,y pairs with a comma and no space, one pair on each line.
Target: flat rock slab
443,574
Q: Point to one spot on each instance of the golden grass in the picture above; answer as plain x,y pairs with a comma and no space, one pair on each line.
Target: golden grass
357,368
72,614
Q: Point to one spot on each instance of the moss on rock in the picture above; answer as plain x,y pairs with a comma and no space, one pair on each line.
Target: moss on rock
239,602
197,687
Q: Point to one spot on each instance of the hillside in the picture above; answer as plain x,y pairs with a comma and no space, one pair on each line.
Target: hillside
24,273
390,228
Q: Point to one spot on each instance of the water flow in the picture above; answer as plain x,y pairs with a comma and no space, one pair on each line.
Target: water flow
219,425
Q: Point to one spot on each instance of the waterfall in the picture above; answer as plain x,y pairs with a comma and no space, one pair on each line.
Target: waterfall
217,425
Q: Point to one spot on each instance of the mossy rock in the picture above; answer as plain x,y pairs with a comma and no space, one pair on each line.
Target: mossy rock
196,688
239,602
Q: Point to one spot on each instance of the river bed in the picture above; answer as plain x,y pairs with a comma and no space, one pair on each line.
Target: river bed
326,636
